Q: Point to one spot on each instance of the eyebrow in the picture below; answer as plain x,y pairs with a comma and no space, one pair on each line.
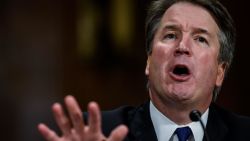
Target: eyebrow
171,27
201,31
196,30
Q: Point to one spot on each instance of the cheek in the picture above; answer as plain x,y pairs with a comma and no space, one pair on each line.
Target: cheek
207,57
208,65
158,61
161,54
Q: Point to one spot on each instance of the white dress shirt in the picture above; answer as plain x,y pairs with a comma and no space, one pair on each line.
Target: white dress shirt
165,128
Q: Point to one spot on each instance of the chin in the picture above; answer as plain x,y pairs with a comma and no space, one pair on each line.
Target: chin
182,96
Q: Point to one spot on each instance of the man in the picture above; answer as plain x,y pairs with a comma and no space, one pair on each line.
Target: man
190,47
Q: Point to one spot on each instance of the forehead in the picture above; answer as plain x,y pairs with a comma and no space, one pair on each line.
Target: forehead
189,16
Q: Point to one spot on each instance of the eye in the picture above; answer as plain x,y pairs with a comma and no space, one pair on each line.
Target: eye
170,36
201,40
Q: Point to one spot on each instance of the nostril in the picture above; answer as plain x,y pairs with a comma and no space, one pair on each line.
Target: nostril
181,51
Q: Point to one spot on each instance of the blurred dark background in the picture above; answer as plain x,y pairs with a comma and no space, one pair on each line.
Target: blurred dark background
92,49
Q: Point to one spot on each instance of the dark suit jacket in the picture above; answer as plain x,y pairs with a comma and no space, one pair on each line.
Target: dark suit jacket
221,126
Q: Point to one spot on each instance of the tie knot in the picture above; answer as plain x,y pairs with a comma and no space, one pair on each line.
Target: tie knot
183,133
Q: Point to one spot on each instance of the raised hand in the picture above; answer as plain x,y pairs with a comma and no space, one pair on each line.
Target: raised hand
73,127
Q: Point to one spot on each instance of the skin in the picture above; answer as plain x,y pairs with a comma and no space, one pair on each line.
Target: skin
79,131
187,35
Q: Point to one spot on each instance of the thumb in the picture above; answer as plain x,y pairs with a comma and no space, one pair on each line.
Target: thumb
119,133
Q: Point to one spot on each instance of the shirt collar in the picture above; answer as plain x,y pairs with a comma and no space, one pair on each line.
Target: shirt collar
165,128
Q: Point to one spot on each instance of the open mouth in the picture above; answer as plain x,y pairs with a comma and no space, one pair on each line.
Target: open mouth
181,70
180,73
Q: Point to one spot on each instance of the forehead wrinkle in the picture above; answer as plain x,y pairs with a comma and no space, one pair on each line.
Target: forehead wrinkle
170,23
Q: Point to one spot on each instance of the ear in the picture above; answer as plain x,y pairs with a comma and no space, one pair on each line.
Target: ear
147,66
221,73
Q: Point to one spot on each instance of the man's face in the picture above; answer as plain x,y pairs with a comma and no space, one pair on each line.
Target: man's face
183,66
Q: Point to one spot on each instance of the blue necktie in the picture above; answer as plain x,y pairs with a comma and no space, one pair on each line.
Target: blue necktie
183,133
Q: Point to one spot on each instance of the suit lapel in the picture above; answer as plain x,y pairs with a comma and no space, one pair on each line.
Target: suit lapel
216,127
141,127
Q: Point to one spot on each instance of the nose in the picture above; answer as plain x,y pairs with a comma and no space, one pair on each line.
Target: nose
182,51
183,48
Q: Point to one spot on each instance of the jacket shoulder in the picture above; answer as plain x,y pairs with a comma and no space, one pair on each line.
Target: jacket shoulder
234,120
111,119
226,125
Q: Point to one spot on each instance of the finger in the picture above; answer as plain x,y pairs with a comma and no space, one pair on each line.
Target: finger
75,113
61,119
47,133
118,134
94,119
